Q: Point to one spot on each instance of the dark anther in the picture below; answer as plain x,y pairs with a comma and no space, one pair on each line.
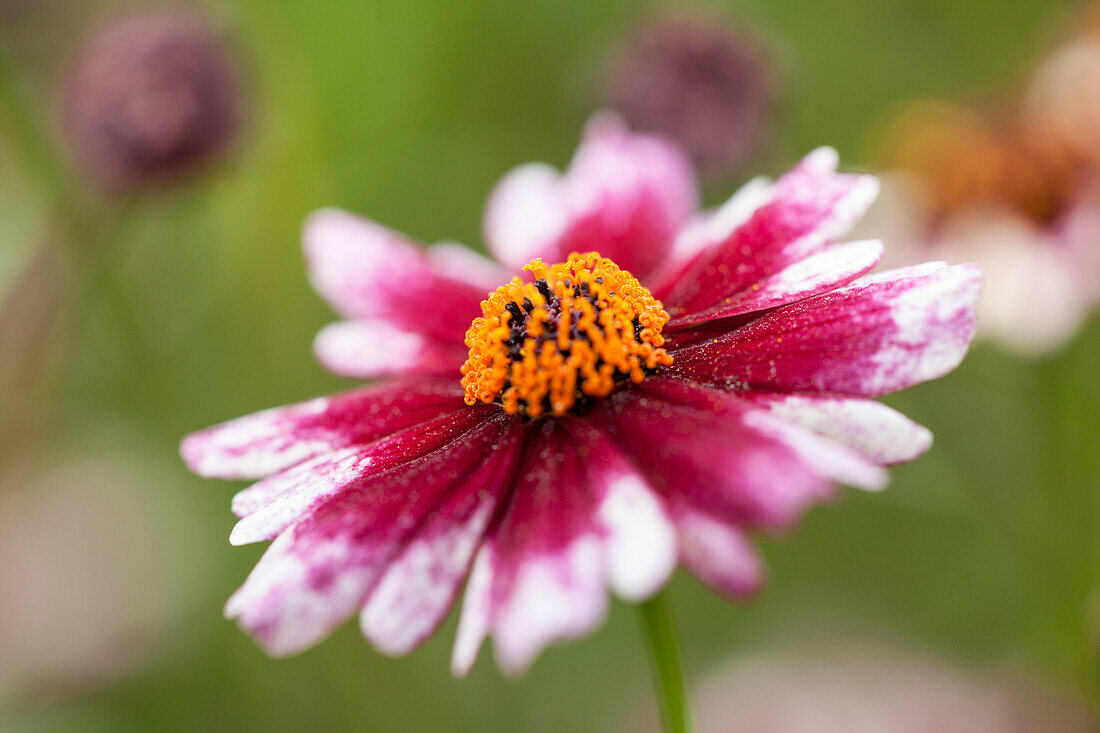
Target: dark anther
599,280
528,305
517,314
544,288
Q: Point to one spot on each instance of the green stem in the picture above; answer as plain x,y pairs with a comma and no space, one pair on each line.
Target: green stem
26,134
88,237
664,657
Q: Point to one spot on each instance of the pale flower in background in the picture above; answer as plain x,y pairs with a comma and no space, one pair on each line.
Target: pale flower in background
98,573
875,689
1011,196
1042,279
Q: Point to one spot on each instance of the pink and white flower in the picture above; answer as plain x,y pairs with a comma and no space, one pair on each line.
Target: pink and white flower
382,501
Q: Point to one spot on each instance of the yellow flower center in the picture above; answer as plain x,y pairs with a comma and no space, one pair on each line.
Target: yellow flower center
580,328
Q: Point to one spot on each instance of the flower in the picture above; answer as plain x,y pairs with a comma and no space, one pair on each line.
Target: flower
1011,197
1065,96
698,80
723,396
150,98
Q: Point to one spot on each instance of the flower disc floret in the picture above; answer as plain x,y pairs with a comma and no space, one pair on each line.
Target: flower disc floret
573,333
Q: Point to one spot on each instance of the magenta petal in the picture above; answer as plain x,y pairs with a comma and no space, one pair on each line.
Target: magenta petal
878,432
420,585
718,553
825,270
828,458
526,215
459,262
368,272
580,518
318,573
299,487
272,505
258,445
711,455
639,541
885,333
624,195
539,577
709,228
366,349
810,207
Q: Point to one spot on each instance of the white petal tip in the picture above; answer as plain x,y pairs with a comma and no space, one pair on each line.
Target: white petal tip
243,535
825,159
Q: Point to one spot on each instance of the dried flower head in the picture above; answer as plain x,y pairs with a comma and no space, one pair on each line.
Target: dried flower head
149,98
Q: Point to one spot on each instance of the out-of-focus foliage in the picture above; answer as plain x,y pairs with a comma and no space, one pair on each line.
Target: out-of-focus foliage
985,550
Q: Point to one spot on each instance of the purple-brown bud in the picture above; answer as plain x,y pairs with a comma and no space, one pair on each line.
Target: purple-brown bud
698,81
149,99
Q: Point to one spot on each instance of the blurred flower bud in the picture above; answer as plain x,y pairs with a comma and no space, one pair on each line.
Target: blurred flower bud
149,98
697,80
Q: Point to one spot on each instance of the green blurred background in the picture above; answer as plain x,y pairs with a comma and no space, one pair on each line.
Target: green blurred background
985,552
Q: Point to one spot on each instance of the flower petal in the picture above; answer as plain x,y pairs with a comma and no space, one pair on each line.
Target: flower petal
640,543
462,263
476,614
526,215
366,349
624,195
818,273
885,333
810,207
270,506
580,517
318,573
551,597
718,553
708,454
541,579
258,445
709,228
834,461
368,272
880,433
421,584
638,537
829,459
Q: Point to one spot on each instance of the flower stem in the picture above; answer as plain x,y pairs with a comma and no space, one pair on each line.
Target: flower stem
85,231
664,657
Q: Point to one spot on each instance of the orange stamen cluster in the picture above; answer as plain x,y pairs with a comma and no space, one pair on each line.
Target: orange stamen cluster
577,330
